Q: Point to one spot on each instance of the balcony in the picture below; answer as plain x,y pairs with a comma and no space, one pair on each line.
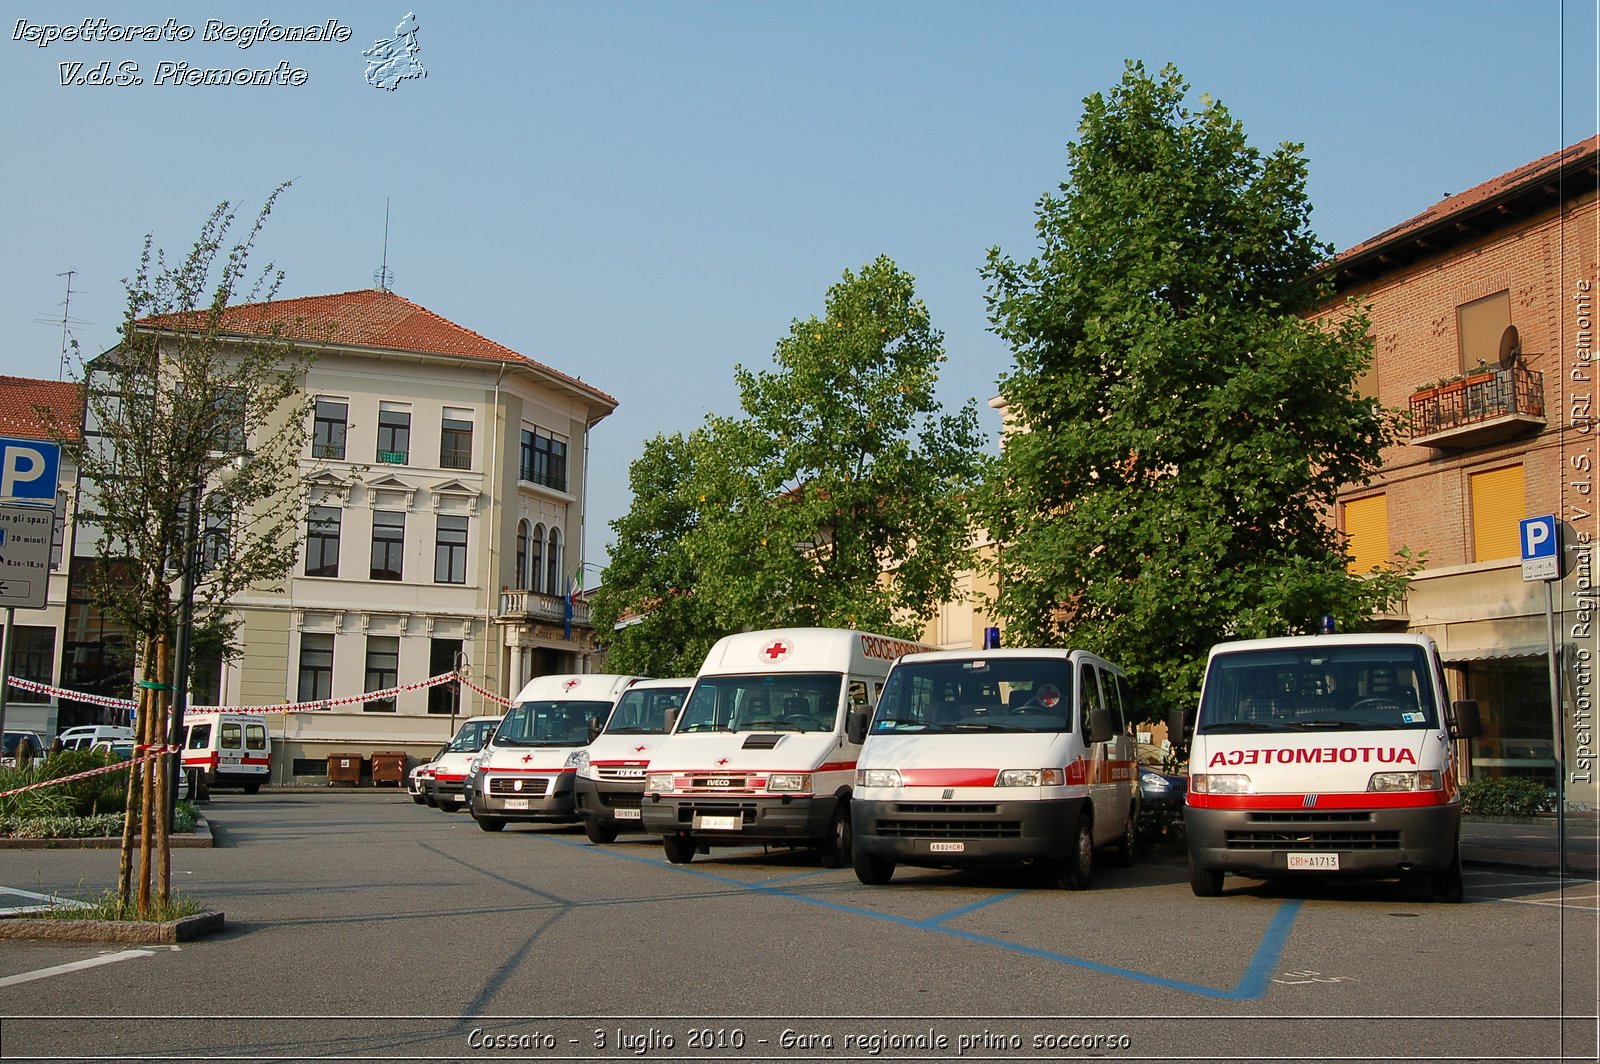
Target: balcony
392,457
534,606
1478,409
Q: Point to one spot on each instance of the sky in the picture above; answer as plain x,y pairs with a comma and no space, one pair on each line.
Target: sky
645,195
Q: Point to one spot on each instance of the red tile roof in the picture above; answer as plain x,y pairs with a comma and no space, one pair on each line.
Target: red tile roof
20,395
369,317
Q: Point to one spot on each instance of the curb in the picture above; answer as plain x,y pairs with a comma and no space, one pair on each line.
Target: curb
199,837
131,932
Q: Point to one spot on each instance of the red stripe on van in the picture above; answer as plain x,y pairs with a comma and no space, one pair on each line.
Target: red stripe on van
948,777
1319,801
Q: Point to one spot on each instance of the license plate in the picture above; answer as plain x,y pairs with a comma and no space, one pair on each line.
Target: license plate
516,803
627,814
947,847
1313,862
718,823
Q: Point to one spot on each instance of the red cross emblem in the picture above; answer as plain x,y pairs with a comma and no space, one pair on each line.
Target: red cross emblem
569,685
640,749
526,758
776,650
1049,696
722,761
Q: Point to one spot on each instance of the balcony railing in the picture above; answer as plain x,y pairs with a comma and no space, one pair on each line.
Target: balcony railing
1478,409
536,606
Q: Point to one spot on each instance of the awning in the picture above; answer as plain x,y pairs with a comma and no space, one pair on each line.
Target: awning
1499,650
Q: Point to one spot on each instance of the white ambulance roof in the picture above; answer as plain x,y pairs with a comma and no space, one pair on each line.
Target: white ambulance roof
802,650
1309,642
577,687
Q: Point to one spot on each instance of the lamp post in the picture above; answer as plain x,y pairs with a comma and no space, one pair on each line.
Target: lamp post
180,665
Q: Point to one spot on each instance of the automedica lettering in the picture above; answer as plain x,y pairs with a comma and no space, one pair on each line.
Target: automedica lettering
1316,755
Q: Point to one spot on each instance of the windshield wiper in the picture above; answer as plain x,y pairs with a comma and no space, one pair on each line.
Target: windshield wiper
1243,726
974,725
881,722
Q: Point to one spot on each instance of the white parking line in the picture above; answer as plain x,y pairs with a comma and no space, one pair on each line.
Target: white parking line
74,966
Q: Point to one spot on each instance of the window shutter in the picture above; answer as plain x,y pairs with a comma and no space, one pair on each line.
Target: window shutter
1498,507
1366,525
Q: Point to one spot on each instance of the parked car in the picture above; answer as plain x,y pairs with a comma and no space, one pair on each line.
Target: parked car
122,750
419,779
1160,781
26,742
85,736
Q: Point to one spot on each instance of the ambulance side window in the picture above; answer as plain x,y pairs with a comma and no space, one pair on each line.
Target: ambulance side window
255,736
1122,702
858,692
231,736
199,736
1089,686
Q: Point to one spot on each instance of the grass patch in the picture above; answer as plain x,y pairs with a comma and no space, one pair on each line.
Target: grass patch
98,825
105,907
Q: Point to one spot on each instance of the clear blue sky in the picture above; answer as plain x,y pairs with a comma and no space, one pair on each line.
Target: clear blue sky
644,194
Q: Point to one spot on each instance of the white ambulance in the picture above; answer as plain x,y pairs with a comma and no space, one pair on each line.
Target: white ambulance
1326,754
610,771
760,752
983,757
228,750
523,773
442,785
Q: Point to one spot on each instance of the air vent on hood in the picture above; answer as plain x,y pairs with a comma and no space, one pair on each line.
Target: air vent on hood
762,741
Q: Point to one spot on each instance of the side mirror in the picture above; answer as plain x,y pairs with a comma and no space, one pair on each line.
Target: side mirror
669,719
855,725
1467,724
1099,725
1177,725
594,728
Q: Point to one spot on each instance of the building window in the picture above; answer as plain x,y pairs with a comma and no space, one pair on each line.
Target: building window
1366,530
383,671
394,434
522,556
388,544
328,429
33,657
216,533
443,656
229,428
536,560
1498,507
322,541
544,459
552,565
1479,326
450,551
455,439
316,668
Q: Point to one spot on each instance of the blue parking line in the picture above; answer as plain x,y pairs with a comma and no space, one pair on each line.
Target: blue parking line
1252,985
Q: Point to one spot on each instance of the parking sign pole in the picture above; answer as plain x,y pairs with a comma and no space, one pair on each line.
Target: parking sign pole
5,664
1560,731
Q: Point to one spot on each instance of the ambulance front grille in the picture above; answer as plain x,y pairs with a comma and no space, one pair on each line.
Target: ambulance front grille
615,774
1340,816
948,828
622,801
531,787
1313,840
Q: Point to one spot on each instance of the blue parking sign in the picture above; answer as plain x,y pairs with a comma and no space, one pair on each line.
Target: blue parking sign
28,470
1541,548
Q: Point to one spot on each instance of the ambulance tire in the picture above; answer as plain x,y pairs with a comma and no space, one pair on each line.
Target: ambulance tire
679,848
490,823
599,834
1204,882
446,804
1076,869
871,870
1446,885
419,799
253,787
1122,855
835,849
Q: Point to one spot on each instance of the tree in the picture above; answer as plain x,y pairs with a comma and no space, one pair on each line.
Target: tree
1177,425
188,461
839,498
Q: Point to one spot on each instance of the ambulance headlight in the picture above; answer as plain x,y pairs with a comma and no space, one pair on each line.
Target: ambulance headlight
1030,777
658,782
877,777
1219,783
578,761
789,782
1404,781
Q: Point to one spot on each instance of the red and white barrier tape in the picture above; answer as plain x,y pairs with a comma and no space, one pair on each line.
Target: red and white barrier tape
153,753
287,707
490,695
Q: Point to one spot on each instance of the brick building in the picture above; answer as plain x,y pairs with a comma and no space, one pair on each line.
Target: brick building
1481,318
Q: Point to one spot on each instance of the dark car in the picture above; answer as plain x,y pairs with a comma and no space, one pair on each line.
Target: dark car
1160,781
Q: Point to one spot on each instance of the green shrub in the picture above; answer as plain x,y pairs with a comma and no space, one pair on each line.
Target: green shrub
105,793
67,826
45,801
1507,796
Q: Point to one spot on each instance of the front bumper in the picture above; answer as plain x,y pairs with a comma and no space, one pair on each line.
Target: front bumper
732,820
539,797
1372,842
950,833
610,804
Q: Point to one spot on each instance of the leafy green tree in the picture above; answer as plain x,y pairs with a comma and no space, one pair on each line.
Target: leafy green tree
1177,425
839,498
188,459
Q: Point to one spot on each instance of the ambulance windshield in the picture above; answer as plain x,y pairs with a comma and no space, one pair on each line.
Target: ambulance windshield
547,723
1332,688
472,736
790,701
977,695
644,710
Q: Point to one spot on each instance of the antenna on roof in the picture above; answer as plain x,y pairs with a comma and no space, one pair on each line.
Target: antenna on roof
66,331
383,278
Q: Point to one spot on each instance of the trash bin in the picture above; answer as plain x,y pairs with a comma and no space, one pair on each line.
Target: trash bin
389,766
344,768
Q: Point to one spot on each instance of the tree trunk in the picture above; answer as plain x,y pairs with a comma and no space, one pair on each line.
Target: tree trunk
131,805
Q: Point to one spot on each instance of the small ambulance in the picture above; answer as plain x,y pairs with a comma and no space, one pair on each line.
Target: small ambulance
610,770
983,757
229,750
523,773
1326,754
760,753
443,782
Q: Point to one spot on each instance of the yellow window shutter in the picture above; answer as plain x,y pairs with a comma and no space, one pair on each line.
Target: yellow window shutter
1498,507
1366,525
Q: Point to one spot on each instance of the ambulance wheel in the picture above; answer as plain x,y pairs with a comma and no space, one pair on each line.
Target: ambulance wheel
419,799
447,805
490,823
1074,871
1204,882
599,834
253,787
872,870
1123,854
679,848
1446,885
836,846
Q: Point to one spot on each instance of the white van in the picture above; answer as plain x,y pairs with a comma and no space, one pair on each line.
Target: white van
979,757
1326,754
610,771
84,736
524,774
229,750
760,752
443,785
